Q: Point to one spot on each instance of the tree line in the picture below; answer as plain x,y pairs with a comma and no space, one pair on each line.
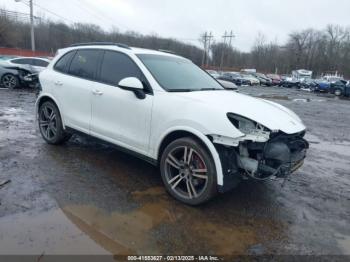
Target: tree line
50,36
321,51
318,50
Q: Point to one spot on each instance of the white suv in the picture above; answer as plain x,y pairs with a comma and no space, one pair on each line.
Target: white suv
165,109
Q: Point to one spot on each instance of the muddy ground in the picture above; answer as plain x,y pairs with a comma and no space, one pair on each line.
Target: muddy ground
88,198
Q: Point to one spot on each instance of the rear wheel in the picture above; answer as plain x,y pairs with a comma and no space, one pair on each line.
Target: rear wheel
188,171
50,124
9,81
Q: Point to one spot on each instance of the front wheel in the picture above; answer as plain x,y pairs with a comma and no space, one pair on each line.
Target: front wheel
338,92
188,171
50,124
10,81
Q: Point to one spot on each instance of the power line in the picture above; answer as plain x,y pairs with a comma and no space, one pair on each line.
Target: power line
53,13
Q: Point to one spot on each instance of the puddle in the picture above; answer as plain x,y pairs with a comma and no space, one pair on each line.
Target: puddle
48,232
12,114
160,226
344,243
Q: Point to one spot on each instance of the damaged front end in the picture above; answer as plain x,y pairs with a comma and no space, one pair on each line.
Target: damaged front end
259,154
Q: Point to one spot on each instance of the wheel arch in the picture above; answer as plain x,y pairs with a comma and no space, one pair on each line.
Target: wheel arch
177,133
44,98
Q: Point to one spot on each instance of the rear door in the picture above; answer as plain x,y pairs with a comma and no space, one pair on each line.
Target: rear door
73,86
118,115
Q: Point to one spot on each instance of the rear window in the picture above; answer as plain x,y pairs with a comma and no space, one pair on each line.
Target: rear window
84,64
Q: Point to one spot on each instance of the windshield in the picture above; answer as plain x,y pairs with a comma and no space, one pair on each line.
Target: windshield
177,74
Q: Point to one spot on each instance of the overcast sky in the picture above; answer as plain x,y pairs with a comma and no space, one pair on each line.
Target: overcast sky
187,19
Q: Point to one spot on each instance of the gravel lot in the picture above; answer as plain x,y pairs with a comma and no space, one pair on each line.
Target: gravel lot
87,198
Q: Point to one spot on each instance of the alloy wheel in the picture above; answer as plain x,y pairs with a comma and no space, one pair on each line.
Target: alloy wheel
48,122
9,81
186,172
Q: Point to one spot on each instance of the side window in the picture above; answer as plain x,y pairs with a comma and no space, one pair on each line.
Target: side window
116,66
84,64
39,62
21,61
63,62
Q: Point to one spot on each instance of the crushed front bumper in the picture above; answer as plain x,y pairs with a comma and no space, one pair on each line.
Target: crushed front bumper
280,156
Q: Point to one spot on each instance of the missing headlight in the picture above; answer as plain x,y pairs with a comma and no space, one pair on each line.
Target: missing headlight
249,127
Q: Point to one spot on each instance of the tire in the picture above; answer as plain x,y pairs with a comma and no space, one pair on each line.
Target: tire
9,81
337,92
179,176
50,124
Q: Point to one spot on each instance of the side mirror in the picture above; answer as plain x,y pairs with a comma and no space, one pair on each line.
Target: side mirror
133,84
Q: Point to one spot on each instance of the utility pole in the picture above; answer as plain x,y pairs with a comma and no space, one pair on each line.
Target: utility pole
32,25
32,37
204,37
210,36
230,36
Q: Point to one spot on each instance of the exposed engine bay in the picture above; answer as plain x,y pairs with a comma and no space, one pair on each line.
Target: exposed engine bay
260,153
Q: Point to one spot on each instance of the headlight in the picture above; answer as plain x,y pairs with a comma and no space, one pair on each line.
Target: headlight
245,125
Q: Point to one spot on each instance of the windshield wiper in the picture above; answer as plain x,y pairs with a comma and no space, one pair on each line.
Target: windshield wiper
181,90
210,88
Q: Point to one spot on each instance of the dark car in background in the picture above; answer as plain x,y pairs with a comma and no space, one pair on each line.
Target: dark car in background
235,78
322,85
308,83
290,82
340,88
263,79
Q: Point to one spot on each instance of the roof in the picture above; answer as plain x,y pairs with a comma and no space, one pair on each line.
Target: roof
120,47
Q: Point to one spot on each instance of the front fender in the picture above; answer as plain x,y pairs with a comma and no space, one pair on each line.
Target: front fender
204,139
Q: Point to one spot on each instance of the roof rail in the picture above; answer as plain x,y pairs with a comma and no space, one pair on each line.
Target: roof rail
101,43
166,51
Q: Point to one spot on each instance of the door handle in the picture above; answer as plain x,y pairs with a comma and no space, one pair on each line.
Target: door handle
58,83
97,92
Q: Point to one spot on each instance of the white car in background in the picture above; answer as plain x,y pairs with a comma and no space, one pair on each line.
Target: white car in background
11,78
164,109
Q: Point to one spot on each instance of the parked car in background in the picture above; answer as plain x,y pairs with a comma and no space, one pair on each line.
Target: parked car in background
264,80
12,78
308,83
213,73
322,85
235,78
340,88
228,84
276,79
253,81
290,82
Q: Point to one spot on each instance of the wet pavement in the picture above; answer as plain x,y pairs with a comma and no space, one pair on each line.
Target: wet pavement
86,197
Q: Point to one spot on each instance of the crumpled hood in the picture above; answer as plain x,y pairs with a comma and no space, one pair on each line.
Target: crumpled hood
267,113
